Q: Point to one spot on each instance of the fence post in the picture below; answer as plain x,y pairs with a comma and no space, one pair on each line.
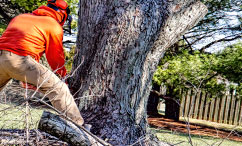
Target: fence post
232,107
240,114
197,104
211,111
183,99
237,111
217,108
221,113
192,105
188,98
201,109
227,109
205,116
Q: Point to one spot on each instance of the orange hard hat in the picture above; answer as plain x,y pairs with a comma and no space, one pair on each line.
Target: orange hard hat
61,7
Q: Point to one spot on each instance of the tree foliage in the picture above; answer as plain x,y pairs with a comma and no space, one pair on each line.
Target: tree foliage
2,28
189,71
185,66
28,5
230,63
215,73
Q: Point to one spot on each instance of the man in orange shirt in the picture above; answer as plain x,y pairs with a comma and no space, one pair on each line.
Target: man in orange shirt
25,40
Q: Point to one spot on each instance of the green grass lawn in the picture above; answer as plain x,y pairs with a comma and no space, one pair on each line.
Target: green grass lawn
14,117
216,125
180,139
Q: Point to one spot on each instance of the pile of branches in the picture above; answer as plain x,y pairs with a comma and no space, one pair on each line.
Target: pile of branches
36,137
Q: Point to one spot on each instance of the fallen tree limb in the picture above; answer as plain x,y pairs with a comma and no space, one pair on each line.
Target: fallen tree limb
66,131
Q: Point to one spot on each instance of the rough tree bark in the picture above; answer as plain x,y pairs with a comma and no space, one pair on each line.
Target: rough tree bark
121,42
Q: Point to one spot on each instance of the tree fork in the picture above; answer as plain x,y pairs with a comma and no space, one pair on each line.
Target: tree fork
123,42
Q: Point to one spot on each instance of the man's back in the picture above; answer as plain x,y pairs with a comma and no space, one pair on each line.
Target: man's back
29,34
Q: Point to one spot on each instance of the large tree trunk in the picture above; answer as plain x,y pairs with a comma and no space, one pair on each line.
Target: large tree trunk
121,42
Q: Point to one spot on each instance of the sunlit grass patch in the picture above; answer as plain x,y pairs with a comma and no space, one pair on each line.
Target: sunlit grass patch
181,139
14,117
214,125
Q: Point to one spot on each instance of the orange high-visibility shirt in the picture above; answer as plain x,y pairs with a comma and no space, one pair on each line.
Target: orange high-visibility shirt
35,34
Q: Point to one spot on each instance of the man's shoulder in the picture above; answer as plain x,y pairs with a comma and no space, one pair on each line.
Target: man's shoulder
40,19
45,23
55,27
51,24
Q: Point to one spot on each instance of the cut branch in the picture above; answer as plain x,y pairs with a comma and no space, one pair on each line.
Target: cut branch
66,130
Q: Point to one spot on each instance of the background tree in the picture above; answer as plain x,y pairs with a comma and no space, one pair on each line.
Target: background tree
191,62
220,27
229,66
215,73
121,43
190,71
11,8
181,72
